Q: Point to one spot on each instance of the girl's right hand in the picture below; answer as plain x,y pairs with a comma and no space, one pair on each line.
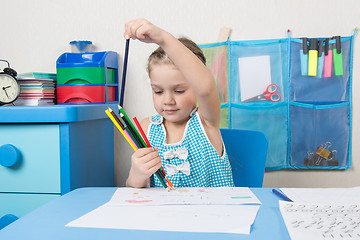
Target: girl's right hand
144,163
144,31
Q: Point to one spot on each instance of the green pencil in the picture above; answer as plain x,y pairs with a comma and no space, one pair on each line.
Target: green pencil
131,125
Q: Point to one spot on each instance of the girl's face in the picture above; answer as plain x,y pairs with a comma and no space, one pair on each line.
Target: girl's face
173,97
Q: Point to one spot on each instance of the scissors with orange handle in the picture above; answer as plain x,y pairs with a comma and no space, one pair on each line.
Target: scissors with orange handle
269,94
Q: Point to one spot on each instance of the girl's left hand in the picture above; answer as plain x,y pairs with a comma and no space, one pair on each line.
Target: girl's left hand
144,31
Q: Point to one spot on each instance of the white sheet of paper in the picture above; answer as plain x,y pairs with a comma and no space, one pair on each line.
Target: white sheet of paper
321,221
255,75
226,210
181,218
204,196
323,195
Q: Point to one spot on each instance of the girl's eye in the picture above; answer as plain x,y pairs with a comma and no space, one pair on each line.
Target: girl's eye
158,92
179,91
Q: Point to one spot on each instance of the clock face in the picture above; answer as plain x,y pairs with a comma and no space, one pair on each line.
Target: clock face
9,89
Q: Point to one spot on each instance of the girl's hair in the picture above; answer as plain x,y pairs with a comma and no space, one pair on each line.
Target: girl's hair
159,55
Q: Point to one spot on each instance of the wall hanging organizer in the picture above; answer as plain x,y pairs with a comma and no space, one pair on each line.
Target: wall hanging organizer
295,90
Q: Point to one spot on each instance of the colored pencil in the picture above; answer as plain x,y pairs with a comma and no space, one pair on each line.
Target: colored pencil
149,145
169,182
135,140
132,132
143,135
118,124
130,123
120,129
127,44
116,118
127,134
122,126
141,132
162,181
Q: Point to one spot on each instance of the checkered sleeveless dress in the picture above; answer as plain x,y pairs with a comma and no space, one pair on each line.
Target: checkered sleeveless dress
196,161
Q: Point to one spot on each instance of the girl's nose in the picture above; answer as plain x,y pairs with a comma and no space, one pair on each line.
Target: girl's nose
169,98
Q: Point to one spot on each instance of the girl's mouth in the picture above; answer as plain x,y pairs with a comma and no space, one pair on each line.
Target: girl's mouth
170,111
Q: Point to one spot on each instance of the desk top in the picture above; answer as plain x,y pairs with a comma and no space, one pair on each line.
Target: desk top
48,221
54,113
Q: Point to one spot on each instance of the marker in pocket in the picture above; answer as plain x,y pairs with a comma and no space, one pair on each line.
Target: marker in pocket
313,57
328,58
304,48
338,61
320,65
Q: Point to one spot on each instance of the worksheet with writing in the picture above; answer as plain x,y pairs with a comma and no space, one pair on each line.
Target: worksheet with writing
320,220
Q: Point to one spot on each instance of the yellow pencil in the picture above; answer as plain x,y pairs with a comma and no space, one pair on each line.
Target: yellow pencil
120,129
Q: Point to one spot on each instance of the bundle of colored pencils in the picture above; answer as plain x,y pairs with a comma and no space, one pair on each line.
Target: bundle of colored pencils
136,141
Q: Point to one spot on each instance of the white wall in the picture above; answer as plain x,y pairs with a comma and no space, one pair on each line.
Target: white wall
35,33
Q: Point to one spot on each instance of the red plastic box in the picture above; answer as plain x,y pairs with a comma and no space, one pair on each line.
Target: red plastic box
85,94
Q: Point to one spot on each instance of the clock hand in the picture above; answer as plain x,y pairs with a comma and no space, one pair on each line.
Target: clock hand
6,92
6,87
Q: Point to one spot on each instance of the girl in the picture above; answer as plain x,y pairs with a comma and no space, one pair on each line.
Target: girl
185,138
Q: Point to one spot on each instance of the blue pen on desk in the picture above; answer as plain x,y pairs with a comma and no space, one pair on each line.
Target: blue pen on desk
281,195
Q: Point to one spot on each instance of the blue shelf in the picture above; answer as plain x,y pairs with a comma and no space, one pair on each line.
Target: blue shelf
54,113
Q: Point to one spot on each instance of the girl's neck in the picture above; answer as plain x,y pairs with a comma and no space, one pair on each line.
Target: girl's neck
174,131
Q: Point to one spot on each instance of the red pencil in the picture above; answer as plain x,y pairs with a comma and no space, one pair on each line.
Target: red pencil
141,132
144,137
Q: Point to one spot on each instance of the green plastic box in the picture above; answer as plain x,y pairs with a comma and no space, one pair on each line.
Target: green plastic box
85,75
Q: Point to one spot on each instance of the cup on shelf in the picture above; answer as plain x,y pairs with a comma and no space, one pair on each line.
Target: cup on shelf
80,46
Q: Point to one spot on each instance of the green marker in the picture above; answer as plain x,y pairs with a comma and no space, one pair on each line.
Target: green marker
338,59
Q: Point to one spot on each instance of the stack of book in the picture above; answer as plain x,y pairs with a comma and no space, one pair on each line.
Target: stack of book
36,89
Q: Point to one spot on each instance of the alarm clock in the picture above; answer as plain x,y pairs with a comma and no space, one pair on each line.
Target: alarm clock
9,86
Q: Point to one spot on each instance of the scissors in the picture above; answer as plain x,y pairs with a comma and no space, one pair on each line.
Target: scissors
269,94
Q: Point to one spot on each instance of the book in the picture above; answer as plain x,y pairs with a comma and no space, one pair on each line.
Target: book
37,76
36,89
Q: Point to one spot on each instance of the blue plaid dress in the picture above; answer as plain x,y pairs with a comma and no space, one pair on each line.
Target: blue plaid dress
207,167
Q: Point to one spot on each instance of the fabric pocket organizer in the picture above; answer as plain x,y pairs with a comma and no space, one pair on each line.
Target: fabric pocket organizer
309,125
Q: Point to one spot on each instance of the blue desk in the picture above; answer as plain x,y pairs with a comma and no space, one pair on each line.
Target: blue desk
48,221
59,148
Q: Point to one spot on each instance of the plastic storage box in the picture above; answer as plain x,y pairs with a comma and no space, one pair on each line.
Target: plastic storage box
87,78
